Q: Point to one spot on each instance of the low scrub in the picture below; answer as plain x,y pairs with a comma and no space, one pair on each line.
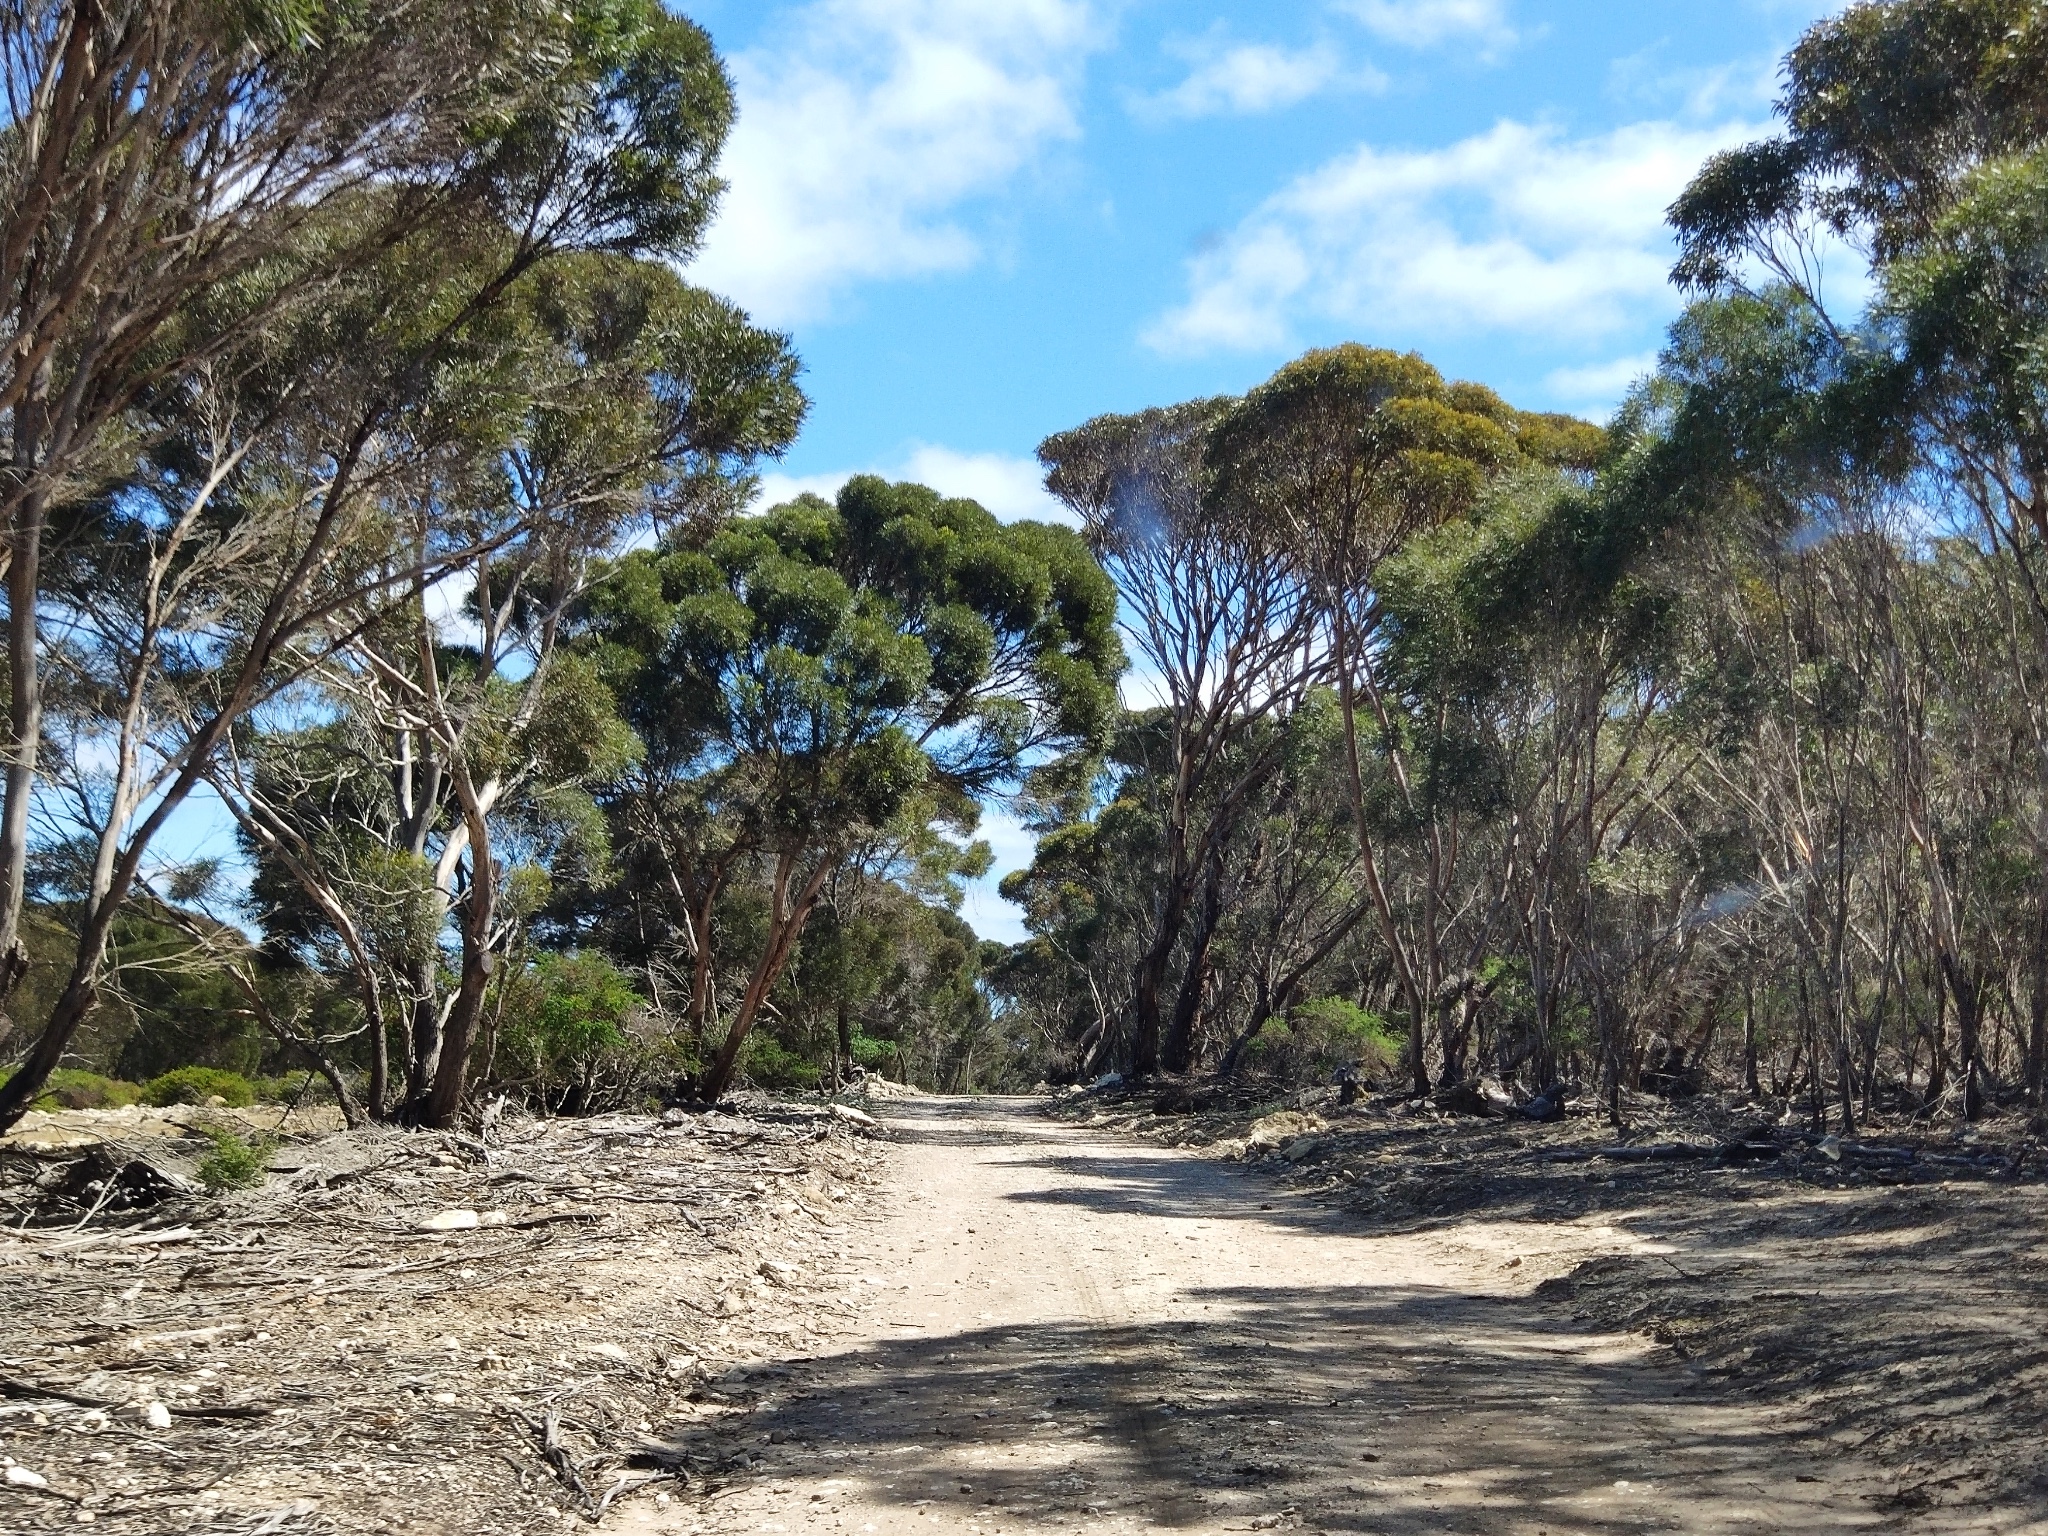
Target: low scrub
767,1063
1326,1036
235,1162
199,1085
69,1088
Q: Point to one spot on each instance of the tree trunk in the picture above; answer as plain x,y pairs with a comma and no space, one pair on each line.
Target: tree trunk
1178,1052
479,908
25,691
785,926
380,1054
74,1005
423,1039
2037,1021
1147,979
1749,1080
1969,1024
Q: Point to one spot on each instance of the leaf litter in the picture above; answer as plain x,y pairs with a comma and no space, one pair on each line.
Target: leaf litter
407,1331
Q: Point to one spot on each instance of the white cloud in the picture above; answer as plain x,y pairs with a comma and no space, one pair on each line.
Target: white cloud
1250,78
1700,93
1518,229
1012,488
1430,23
1598,388
866,127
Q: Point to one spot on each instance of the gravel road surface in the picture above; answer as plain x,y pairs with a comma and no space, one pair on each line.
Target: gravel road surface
1061,1331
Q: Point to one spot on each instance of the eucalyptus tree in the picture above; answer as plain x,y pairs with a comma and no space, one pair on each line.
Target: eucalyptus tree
1355,452
1302,896
252,511
1917,132
1223,627
627,400
806,679
175,176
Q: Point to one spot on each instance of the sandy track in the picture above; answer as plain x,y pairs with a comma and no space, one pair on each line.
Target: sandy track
1068,1333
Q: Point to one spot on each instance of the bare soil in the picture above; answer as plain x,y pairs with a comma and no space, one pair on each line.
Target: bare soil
1004,1320
313,1356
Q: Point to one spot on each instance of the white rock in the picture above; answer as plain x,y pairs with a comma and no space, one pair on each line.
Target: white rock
157,1416
452,1221
21,1477
610,1352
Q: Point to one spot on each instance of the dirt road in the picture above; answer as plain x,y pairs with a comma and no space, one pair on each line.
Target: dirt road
1065,1333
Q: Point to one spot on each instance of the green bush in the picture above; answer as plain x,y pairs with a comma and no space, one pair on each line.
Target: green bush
69,1088
195,1085
768,1063
1316,1038
290,1088
577,1038
234,1163
871,1053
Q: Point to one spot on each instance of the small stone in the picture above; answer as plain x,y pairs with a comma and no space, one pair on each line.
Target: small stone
157,1416
21,1477
452,1221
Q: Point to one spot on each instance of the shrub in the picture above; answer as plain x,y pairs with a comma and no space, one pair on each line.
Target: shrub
292,1087
195,1085
1317,1038
576,1037
871,1053
234,1163
768,1063
69,1088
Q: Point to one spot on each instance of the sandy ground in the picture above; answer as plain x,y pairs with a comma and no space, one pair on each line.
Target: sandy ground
1066,1330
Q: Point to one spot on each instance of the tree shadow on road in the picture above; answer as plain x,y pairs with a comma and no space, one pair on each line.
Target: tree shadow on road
1369,1409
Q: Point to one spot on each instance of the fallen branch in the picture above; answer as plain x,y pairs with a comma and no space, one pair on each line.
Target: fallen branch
548,1430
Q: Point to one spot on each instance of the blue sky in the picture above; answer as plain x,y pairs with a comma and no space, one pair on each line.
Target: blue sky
988,220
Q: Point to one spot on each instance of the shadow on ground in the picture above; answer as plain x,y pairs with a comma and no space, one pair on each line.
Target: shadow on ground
1370,1410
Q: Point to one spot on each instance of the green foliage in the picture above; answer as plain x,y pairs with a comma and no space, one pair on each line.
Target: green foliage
70,1088
870,1052
235,1162
829,681
1318,1037
570,1037
293,1088
825,665
767,1063
196,1085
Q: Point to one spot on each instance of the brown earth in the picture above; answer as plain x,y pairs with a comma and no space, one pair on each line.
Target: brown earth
1008,1321
1087,1333
312,1356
